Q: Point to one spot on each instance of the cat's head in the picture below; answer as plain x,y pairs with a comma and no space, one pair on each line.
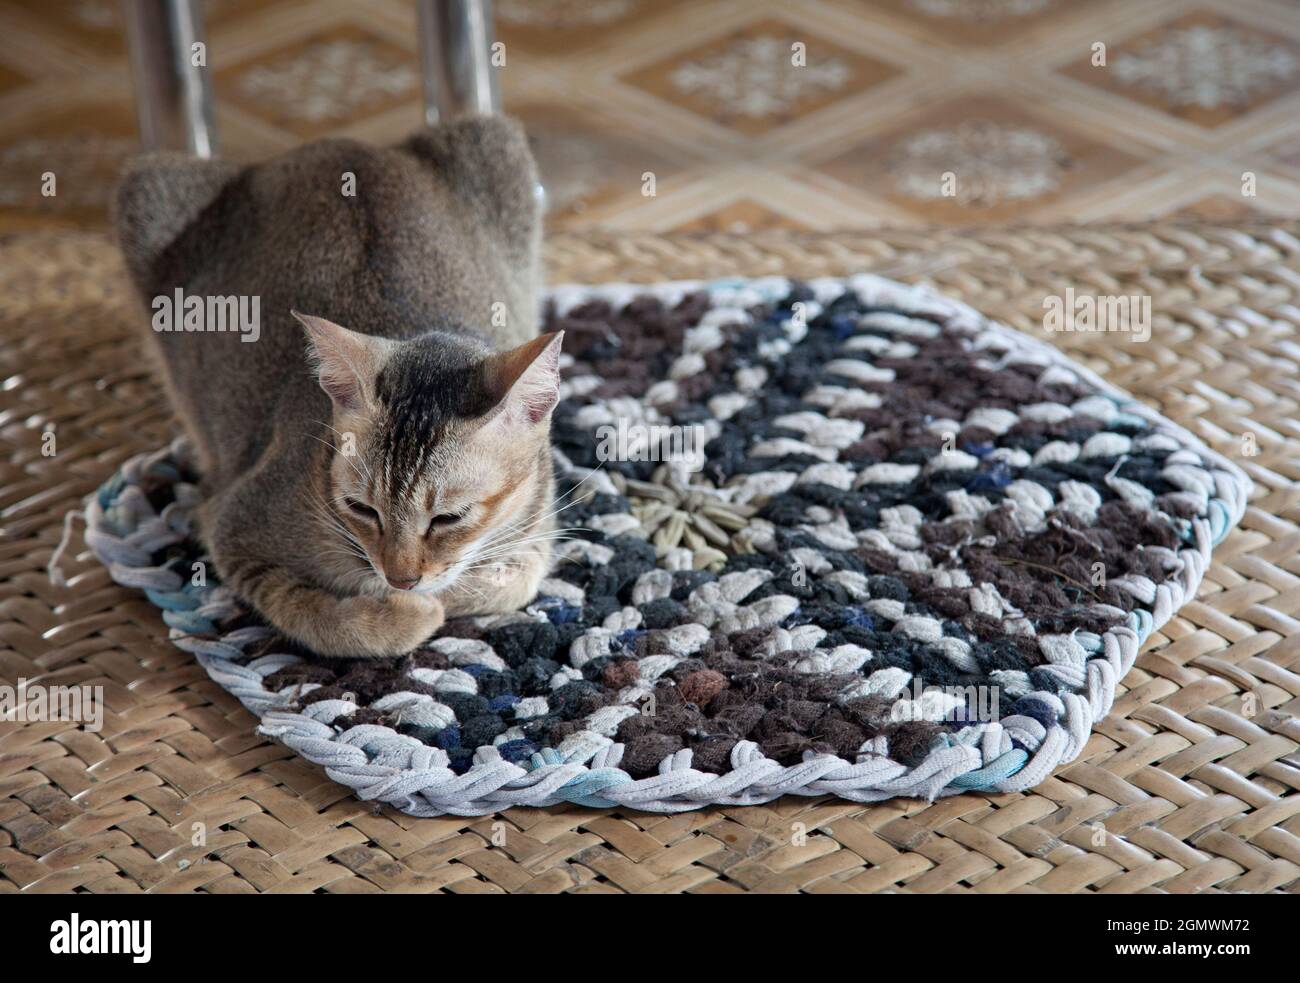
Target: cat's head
441,447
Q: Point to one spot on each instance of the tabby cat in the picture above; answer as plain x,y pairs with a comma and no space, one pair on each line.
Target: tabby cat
381,460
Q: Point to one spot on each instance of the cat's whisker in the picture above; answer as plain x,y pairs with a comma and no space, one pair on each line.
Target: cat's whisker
513,546
561,498
341,552
348,546
331,522
346,457
369,476
519,561
470,590
364,573
501,538
522,557
539,515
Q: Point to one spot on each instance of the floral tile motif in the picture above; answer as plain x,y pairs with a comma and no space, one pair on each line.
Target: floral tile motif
705,90
587,161
749,80
976,159
560,27
998,161
1201,67
321,83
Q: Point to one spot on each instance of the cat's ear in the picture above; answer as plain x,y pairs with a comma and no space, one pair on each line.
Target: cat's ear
159,197
527,379
346,362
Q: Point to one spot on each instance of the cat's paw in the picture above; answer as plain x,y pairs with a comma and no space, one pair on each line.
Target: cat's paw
416,616
394,624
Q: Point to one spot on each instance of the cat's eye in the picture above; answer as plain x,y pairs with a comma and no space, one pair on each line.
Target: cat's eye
446,519
361,509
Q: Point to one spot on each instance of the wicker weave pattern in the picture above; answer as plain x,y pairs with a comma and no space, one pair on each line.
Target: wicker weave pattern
1194,785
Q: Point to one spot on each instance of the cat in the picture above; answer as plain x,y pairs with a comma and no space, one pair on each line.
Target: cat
379,458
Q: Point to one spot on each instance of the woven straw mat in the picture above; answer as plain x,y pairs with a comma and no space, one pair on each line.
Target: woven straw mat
1189,785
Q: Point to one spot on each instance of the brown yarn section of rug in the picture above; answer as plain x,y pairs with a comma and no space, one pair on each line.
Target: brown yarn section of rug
1189,785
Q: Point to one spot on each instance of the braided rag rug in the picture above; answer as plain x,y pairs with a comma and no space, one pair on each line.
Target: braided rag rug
921,551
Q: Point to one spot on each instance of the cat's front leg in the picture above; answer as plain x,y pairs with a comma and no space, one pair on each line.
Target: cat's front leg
498,588
348,626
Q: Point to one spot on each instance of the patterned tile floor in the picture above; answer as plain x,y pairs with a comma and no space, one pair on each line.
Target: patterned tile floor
730,114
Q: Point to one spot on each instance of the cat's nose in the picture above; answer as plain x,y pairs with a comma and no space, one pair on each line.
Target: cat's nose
398,583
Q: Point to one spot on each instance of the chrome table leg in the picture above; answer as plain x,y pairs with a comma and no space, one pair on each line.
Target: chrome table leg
456,39
173,95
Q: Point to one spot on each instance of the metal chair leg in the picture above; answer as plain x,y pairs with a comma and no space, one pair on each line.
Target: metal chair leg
173,96
456,39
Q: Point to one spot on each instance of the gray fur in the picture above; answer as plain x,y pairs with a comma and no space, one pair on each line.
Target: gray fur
441,228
